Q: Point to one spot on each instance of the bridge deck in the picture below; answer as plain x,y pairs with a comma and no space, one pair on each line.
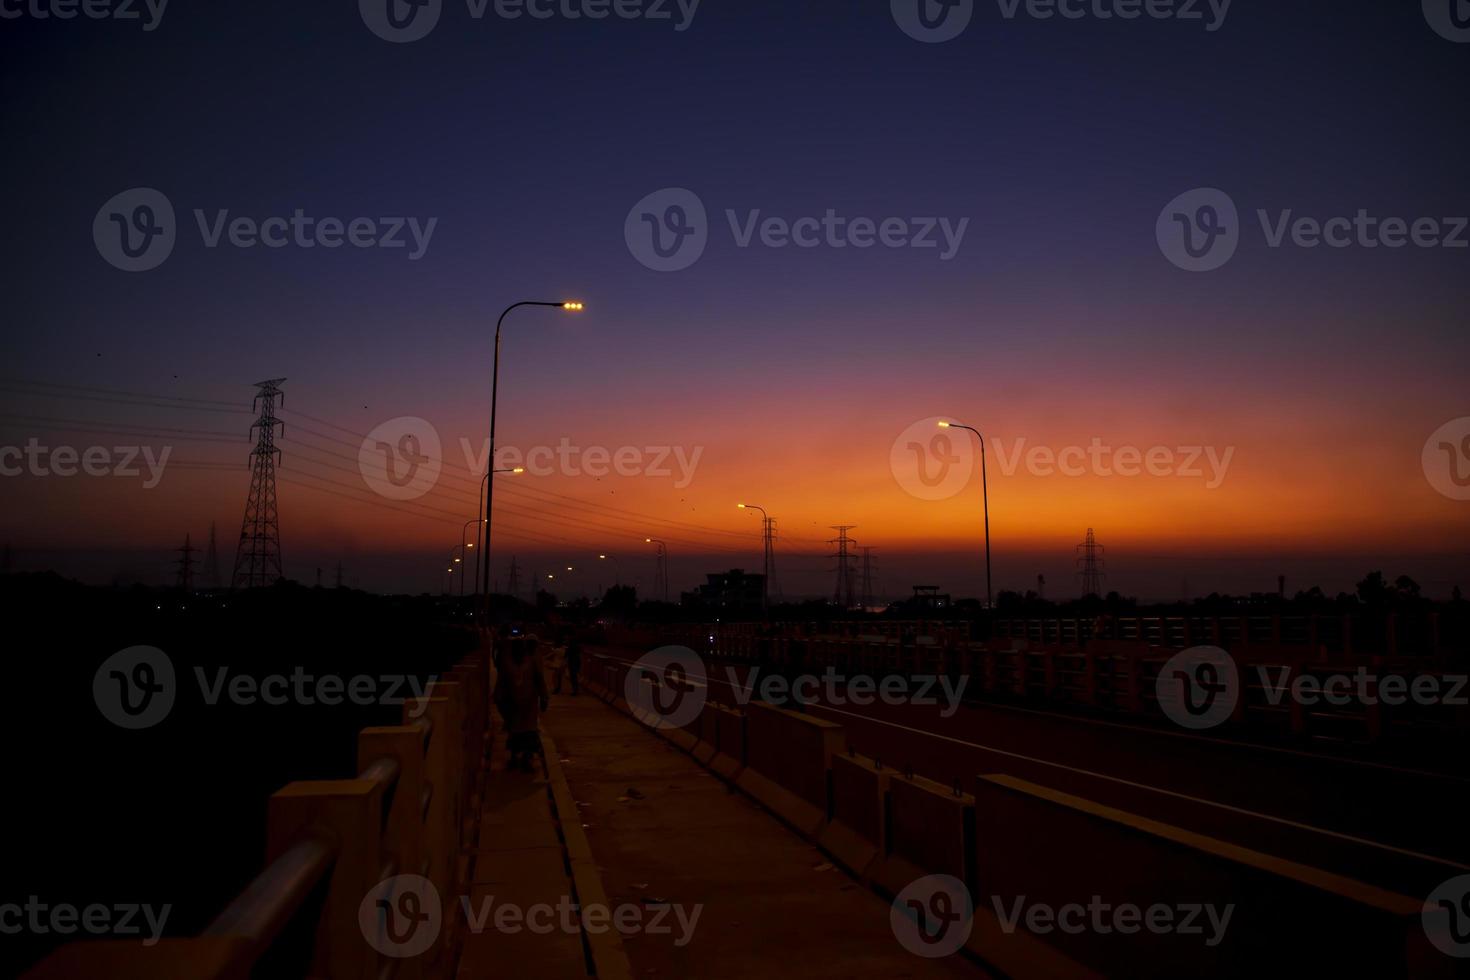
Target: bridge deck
773,906
519,860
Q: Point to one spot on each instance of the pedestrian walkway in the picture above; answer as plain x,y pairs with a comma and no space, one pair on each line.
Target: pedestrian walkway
667,834
523,859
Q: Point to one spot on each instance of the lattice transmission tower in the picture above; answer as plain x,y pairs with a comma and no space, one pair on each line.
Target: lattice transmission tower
773,588
1090,560
258,557
660,568
843,593
211,561
185,580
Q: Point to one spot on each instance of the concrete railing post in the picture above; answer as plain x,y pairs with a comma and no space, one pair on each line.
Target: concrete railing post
441,772
346,814
403,844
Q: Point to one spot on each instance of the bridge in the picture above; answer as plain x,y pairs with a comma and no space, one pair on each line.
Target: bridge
1056,796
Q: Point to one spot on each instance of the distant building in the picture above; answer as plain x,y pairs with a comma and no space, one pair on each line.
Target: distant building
926,599
732,590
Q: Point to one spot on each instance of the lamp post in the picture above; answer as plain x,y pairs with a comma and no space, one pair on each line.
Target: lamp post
479,507
618,570
466,544
985,499
455,560
570,306
770,557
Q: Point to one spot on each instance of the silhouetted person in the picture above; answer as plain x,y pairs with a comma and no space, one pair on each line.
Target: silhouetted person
520,694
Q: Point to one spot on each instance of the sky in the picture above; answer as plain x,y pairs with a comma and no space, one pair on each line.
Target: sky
1027,170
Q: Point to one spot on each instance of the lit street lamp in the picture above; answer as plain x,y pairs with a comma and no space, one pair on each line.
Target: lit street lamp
985,499
770,557
571,306
480,520
451,561
463,534
455,560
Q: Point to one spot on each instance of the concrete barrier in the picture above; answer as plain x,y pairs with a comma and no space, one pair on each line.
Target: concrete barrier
787,755
930,830
327,844
709,735
854,834
729,757
1040,848
617,677
686,736
1401,871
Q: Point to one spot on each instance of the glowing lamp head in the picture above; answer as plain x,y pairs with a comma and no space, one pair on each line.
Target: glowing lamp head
944,425
572,306
741,506
519,469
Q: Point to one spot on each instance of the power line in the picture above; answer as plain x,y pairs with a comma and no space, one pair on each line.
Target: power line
11,382
571,521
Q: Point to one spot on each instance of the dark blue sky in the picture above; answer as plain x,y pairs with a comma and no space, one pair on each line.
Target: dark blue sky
529,141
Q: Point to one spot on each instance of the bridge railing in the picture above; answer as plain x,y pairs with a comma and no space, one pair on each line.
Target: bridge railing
330,846
1115,667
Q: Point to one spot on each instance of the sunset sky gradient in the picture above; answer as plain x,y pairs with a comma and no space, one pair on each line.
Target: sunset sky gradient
793,371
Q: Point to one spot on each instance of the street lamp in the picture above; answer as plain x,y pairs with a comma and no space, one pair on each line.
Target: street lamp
456,560
770,557
617,570
463,534
570,306
478,507
453,560
985,498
